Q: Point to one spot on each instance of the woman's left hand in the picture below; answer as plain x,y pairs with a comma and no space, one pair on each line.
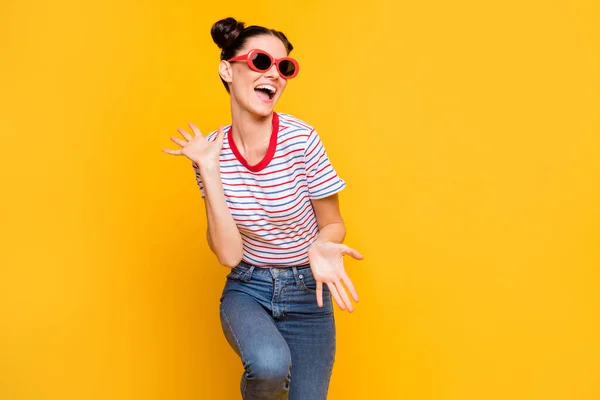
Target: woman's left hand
327,265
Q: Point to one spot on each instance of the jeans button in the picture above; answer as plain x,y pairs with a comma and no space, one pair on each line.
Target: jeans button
300,276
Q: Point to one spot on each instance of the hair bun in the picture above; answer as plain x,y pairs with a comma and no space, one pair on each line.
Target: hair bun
225,31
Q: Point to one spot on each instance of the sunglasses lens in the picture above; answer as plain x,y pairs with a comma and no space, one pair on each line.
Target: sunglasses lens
287,68
261,61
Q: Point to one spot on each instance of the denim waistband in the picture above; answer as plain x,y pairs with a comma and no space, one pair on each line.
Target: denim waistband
266,267
244,271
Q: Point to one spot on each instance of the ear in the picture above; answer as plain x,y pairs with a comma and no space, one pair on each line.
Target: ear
225,71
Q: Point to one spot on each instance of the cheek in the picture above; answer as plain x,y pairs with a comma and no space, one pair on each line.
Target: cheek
283,85
244,82
245,76
240,86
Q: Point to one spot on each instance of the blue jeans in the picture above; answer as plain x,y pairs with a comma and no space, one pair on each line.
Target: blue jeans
286,342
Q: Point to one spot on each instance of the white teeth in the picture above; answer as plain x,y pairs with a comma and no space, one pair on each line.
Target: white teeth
268,87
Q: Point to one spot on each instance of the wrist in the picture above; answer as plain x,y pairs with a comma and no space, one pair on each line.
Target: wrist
316,243
207,167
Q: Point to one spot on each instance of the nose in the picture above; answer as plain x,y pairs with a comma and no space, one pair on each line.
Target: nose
272,72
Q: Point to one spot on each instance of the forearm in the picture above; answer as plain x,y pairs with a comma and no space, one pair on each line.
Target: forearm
222,233
334,232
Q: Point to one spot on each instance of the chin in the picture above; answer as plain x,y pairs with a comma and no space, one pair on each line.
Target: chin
263,112
256,106
262,109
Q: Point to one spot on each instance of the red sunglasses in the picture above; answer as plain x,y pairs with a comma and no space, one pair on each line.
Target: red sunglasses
261,61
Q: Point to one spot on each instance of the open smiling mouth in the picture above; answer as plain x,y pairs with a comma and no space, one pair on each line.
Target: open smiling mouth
265,92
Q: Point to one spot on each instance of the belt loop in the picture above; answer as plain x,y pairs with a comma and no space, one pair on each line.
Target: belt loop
296,278
248,273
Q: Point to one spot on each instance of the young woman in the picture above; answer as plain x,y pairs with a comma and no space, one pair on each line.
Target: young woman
270,194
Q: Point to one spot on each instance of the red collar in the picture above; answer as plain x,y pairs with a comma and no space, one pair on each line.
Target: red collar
262,164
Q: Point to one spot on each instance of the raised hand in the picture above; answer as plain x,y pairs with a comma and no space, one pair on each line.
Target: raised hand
327,265
197,148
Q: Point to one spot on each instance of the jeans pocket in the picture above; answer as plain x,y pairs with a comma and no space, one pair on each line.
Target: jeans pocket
308,283
235,273
240,272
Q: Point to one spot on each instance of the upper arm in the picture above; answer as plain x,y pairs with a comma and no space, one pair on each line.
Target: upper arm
322,178
327,210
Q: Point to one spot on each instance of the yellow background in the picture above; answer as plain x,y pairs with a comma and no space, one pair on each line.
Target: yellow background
467,132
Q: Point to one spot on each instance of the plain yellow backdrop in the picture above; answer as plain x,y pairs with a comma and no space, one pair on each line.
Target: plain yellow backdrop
467,132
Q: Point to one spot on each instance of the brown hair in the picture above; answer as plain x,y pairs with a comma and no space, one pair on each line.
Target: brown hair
231,35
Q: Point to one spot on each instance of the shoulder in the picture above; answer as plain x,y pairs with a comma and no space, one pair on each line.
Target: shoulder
291,122
292,128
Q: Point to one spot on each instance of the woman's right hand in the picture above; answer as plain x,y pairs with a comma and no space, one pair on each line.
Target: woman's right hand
197,148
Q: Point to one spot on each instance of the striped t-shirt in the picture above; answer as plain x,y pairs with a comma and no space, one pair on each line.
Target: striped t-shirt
270,201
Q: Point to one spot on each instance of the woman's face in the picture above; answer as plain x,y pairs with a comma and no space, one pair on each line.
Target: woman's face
243,81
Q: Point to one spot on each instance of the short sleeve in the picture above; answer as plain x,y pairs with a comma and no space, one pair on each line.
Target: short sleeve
210,137
198,178
322,178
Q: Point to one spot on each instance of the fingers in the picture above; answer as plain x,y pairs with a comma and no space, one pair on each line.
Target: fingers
336,296
195,129
220,136
180,142
350,286
338,292
352,253
173,152
186,135
183,143
320,293
344,296
344,249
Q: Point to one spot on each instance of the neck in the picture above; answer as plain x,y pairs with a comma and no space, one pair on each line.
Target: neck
250,132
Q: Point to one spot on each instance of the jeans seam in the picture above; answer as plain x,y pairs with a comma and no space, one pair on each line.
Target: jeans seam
237,342
245,380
